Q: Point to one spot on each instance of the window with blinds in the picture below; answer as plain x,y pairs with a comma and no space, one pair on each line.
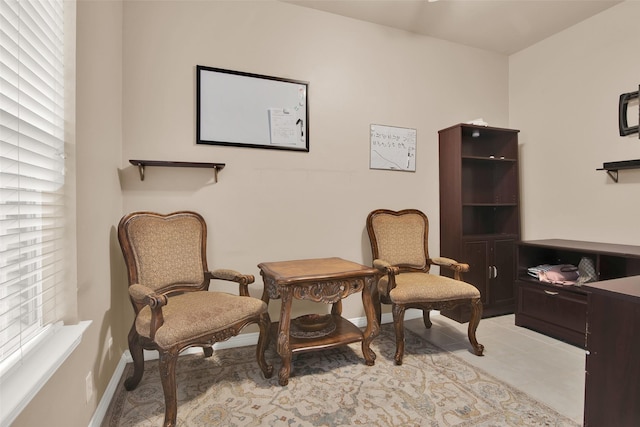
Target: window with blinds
32,161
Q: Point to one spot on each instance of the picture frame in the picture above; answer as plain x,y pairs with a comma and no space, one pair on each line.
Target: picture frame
392,148
626,100
240,109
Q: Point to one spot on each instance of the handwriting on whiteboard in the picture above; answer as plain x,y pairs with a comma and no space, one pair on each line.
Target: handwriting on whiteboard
393,148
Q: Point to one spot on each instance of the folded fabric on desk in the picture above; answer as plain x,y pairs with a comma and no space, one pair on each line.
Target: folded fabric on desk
562,274
586,271
535,271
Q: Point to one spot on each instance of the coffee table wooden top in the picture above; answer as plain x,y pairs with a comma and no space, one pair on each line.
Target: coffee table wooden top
307,270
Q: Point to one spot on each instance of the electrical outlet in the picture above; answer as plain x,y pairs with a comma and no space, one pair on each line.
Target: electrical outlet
89,385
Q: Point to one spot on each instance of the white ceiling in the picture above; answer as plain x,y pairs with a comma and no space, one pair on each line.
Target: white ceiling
503,26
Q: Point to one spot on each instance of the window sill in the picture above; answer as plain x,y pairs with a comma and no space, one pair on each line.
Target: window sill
19,386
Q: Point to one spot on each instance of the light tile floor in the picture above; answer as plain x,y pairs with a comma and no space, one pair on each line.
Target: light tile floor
547,369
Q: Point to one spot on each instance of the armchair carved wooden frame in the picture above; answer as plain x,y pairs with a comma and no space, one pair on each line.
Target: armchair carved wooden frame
399,245
169,280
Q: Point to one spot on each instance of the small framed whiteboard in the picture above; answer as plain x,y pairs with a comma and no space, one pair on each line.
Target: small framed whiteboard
251,110
393,148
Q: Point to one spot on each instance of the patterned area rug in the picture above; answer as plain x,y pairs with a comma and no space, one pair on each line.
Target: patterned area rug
332,388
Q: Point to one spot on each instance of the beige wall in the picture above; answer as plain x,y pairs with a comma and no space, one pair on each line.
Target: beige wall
563,95
273,205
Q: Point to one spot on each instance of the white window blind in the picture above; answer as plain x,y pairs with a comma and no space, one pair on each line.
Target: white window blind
32,161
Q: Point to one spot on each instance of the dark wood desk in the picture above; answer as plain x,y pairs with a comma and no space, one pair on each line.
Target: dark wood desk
557,310
326,280
612,381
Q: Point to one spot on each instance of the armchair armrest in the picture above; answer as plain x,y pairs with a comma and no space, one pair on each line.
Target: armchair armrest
243,280
142,295
390,270
385,267
451,264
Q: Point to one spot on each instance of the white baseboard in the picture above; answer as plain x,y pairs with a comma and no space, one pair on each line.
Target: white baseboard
103,405
237,341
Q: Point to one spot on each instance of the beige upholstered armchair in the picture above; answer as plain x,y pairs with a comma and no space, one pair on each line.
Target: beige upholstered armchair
400,252
168,287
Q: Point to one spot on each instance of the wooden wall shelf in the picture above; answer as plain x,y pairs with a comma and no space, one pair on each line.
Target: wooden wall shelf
612,168
167,163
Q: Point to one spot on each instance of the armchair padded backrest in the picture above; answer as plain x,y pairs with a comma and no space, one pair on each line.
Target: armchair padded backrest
400,237
166,250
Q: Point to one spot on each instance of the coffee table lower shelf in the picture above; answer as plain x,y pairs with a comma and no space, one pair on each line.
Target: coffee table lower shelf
345,333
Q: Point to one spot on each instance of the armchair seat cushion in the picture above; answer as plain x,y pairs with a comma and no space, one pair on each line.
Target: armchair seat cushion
424,287
193,314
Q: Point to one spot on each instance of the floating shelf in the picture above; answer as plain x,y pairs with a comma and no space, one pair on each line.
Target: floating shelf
166,163
612,168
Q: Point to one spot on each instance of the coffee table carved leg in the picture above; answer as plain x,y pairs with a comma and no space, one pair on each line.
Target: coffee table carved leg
265,288
373,328
336,308
283,336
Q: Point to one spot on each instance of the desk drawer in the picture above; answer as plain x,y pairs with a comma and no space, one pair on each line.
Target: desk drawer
554,311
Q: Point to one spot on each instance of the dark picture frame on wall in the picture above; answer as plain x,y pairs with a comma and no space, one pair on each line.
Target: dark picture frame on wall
626,100
239,109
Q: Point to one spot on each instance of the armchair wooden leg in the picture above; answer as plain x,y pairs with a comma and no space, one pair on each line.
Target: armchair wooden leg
137,354
476,314
208,351
263,343
377,305
168,377
398,323
426,318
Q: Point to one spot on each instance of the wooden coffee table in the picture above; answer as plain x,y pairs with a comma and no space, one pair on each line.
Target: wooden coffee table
326,280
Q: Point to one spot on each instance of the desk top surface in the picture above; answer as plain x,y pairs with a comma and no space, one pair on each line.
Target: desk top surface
623,288
613,249
304,270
